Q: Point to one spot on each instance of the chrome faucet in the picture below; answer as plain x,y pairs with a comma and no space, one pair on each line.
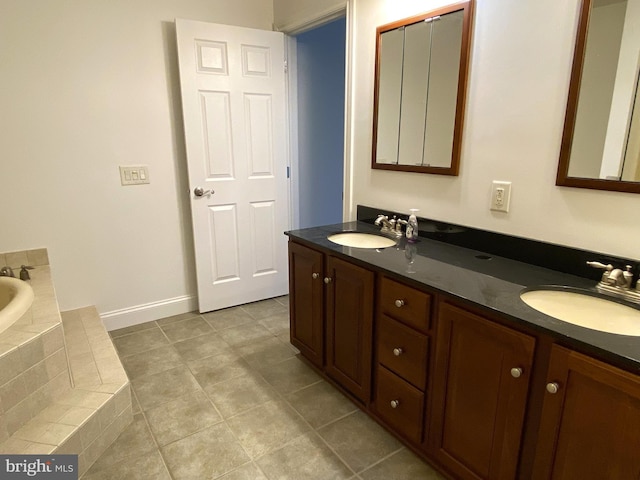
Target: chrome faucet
617,281
391,227
384,221
7,272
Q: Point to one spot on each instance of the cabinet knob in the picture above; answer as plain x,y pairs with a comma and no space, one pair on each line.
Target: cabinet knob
397,351
553,387
399,303
327,280
516,372
395,403
315,276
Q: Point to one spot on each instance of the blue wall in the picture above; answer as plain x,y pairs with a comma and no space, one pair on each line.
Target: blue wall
321,62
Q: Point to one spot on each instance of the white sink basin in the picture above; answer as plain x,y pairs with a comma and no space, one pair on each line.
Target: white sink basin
587,311
16,296
361,240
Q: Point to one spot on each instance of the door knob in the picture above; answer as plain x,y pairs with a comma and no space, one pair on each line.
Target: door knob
395,403
327,280
552,387
315,275
397,351
516,372
201,192
399,303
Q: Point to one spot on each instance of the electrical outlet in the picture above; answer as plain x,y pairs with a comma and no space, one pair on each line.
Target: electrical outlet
134,175
500,196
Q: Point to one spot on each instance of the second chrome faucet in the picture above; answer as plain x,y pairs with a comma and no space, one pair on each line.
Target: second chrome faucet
617,281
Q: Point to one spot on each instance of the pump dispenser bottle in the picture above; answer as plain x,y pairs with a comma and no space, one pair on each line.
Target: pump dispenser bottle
412,226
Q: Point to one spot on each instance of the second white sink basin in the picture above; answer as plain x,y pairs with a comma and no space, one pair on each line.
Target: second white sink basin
361,240
587,311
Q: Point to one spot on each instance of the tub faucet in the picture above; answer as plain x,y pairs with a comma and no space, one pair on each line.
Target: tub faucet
7,272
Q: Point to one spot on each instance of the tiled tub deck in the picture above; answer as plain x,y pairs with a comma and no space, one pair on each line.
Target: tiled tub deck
62,386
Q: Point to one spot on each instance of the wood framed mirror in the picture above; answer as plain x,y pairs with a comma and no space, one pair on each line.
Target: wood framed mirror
420,90
601,139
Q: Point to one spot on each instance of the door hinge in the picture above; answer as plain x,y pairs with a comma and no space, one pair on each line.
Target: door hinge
287,172
286,66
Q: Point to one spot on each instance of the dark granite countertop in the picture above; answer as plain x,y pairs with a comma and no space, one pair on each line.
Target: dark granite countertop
489,281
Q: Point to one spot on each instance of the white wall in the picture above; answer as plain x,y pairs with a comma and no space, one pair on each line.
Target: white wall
88,86
518,84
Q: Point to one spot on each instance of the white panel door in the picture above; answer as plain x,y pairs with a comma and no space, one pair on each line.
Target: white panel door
233,102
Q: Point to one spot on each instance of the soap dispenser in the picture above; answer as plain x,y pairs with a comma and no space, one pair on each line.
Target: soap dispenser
412,226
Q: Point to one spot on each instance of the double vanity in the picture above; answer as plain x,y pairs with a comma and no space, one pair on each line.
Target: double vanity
435,341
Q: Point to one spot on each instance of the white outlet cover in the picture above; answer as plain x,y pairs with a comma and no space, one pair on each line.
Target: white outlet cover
496,188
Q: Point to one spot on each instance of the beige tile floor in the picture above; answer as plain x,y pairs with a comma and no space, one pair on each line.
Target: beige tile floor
224,395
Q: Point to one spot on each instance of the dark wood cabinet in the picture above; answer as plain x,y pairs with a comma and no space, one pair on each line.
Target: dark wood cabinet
457,384
306,301
331,316
481,382
590,426
349,326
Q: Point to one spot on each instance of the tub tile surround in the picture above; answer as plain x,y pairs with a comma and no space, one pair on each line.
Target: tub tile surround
62,386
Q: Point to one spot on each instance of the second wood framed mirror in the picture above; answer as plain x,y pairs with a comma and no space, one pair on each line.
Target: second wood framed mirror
601,138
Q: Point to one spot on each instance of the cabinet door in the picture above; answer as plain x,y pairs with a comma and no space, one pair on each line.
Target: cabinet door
590,426
478,401
349,324
306,301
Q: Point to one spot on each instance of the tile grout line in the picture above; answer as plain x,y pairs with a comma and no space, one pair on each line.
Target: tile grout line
314,431
155,440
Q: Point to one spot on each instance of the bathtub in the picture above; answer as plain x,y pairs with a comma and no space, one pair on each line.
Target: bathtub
16,297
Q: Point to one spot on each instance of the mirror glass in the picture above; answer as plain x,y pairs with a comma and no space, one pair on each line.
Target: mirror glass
421,69
601,139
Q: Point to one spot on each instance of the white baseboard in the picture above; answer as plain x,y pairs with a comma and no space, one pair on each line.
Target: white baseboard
147,312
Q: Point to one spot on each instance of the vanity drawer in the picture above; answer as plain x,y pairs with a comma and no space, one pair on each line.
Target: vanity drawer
399,404
404,303
403,350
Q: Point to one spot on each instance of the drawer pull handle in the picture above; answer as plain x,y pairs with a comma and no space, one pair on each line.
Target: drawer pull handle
327,280
516,372
315,276
399,303
398,351
395,403
553,387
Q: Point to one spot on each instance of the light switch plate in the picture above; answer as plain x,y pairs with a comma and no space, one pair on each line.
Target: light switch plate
500,196
134,174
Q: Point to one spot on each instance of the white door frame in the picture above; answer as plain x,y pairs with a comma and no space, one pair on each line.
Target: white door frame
348,210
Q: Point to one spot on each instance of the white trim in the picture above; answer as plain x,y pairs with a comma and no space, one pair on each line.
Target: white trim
348,212
147,312
291,79
316,20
